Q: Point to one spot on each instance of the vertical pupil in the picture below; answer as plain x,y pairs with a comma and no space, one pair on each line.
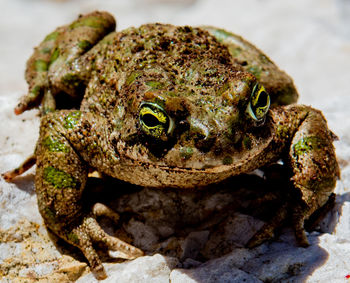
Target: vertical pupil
150,120
262,100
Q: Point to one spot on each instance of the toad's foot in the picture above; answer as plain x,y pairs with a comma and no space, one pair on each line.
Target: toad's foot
100,209
26,165
267,231
88,232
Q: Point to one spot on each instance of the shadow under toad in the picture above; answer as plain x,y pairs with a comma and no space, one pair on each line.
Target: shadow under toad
207,229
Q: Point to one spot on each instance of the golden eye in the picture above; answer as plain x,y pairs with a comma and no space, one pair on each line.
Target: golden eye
259,103
154,121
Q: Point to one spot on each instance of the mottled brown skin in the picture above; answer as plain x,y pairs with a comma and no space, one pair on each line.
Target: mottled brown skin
201,82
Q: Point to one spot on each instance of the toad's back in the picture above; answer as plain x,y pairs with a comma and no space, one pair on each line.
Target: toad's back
178,61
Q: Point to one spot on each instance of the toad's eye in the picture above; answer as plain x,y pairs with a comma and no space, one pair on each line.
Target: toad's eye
154,121
259,103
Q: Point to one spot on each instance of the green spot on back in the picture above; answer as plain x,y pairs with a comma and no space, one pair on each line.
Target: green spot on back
52,36
59,179
72,119
41,65
93,22
54,145
54,55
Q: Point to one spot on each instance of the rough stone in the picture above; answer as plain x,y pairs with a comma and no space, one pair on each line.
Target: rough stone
155,269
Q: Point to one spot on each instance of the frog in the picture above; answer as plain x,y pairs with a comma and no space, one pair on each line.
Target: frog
165,106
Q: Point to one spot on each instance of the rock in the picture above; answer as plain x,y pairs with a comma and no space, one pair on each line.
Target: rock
193,244
235,232
28,252
155,269
218,270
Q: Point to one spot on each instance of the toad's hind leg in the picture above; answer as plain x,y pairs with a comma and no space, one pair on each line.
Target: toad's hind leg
53,68
60,180
314,174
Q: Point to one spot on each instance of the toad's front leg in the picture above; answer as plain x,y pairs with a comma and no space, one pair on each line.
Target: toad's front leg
308,143
315,168
54,66
60,180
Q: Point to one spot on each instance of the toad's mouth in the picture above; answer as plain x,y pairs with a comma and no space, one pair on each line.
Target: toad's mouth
208,168
161,176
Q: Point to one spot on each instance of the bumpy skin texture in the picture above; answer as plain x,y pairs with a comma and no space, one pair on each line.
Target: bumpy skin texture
165,106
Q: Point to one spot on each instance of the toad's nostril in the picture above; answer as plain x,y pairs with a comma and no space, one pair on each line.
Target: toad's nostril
202,134
204,143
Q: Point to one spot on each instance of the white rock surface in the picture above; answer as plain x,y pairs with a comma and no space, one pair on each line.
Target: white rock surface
155,269
308,39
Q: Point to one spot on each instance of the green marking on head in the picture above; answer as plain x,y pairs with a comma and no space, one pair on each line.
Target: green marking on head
93,22
52,36
54,145
59,179
306,144
72,119
41,65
